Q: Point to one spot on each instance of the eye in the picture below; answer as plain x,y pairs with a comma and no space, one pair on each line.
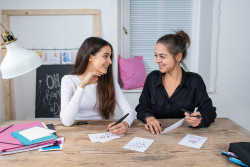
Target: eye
162,57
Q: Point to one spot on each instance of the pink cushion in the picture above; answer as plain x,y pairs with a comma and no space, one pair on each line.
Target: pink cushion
132,72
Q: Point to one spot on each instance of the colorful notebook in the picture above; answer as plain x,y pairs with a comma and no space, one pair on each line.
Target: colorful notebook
26,141
6,136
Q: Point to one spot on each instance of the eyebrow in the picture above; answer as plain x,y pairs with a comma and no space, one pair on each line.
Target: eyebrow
106,53
161,54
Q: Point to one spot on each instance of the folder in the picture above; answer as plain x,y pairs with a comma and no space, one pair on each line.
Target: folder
26,141
6,137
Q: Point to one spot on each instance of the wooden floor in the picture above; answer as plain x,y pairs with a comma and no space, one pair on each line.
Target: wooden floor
165,150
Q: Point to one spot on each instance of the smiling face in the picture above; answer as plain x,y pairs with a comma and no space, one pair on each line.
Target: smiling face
165,60
101,60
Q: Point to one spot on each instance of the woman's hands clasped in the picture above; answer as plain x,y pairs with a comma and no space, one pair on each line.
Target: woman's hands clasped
118,129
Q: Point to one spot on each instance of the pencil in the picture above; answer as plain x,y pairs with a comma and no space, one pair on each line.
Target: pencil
11,143
6,128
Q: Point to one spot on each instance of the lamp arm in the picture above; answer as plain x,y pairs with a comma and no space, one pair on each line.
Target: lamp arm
3,26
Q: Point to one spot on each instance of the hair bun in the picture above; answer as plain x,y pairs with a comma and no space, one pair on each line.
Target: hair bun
184,36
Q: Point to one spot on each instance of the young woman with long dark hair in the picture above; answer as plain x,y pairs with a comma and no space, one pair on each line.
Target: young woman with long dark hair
90,92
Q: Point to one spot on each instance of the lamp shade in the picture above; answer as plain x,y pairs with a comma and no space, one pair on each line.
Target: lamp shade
18,61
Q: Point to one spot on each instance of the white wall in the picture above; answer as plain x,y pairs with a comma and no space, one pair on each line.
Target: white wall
69,33
232,94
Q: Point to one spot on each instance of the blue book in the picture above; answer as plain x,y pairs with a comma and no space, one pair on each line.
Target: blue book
26,141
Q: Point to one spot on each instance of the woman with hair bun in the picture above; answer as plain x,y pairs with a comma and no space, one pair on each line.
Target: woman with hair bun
171,89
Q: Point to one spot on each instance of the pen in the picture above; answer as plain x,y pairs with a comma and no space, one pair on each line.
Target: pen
50,147
119,121
237,161
82,122
6,128
197,116
229,154
11,143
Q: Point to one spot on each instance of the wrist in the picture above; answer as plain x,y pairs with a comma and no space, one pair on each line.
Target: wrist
82,85
126,124
147,118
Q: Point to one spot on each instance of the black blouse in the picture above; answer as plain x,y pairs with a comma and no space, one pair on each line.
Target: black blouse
191,93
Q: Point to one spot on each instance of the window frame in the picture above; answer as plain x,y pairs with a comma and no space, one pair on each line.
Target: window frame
212,67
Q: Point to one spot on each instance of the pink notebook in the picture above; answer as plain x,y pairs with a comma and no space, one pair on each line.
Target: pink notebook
6,136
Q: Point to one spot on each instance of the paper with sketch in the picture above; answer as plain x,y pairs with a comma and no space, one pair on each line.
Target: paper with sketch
103,137
193,141
172,127
138,144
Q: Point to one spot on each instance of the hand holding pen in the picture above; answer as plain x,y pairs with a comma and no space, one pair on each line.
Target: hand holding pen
119,127
192,118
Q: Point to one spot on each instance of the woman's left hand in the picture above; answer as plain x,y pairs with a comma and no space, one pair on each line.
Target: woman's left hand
118,129
192,120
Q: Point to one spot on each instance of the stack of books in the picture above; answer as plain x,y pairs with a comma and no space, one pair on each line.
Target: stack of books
24,137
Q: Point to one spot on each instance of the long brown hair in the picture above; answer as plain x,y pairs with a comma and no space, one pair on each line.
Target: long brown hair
176,43
105,86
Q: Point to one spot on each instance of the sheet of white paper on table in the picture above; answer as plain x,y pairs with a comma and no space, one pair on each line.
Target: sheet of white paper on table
193,141
172,127
138,144
103,137
36,133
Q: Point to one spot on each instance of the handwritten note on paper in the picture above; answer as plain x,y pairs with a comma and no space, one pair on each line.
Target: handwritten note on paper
193,141
138,144
103,137
172,127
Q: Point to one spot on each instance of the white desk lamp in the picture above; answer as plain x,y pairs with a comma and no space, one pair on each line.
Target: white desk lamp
17,61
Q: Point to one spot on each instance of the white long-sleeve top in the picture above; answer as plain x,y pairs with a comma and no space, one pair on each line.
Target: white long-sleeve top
80,104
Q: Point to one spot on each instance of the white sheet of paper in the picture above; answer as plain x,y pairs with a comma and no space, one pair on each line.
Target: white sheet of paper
172,127
138,144
36,133
103,137
193,141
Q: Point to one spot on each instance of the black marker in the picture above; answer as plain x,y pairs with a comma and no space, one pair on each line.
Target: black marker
119,121
197,116
82,122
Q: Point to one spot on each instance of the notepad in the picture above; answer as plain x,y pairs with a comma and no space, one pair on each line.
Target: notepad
103,137
193,141
26,141
138,144
36,133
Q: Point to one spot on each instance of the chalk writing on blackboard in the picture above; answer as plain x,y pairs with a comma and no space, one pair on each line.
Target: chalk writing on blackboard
48,88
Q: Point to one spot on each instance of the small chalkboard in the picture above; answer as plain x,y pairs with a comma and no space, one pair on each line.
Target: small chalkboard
48,89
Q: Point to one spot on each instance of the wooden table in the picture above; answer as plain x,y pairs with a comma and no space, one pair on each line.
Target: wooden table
165,150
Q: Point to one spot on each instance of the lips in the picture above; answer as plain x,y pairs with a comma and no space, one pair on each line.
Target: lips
160,66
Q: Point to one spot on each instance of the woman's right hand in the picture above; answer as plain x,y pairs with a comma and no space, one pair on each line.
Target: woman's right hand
153,125
90,78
